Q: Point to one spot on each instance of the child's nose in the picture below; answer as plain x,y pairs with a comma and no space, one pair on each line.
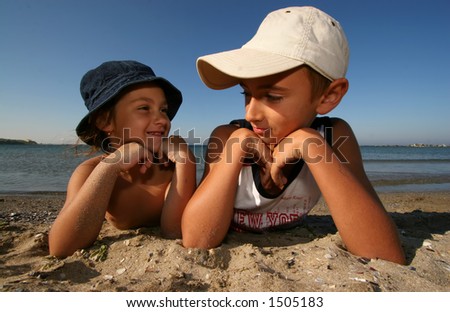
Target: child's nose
253,111
161,118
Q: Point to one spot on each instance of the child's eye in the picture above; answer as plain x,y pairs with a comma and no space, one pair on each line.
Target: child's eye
144,107
164,110
273,98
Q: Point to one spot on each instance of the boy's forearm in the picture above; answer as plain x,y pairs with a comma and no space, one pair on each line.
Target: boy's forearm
208,215
363,223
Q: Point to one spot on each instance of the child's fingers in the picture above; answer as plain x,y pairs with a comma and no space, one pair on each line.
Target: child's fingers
277,175
147,161
261,153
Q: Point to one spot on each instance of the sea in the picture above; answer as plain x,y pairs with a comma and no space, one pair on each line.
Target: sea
47,168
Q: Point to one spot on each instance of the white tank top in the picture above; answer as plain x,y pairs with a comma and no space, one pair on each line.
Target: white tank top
259,212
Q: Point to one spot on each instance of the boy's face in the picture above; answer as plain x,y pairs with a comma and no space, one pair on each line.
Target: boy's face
140,115
280,104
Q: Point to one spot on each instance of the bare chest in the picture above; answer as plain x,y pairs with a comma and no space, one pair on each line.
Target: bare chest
138,200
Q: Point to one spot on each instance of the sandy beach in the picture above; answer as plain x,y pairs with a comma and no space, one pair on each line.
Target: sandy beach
307,258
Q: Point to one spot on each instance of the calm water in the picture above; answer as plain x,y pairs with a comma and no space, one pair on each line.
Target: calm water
407,168
36,168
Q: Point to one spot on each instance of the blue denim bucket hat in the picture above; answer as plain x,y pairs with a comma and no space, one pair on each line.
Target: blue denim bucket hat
102,84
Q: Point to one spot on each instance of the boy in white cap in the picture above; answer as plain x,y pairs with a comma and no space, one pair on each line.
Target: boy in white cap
269,170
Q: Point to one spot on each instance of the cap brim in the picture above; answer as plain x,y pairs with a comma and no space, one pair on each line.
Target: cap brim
226,69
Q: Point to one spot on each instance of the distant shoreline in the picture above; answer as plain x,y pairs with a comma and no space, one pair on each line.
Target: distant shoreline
415,145
17,142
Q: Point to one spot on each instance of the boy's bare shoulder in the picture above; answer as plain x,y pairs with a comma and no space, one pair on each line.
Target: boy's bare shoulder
224,131
340,126
336,121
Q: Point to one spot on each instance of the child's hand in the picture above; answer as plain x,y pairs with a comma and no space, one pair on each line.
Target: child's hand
129,155
286,152
174,149
251,147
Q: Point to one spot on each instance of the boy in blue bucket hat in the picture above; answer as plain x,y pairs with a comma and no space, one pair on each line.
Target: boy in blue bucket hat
143,177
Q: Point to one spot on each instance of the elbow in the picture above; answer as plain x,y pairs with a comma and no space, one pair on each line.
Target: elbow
401,261
61,248
198,240
59,251
55,249
395,258
398,257
171,233
200,231
394,252
394,255
193,243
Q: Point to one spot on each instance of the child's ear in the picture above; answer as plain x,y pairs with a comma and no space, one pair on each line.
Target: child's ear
332,96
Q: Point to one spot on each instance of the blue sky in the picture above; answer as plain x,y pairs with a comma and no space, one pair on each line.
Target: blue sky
399,64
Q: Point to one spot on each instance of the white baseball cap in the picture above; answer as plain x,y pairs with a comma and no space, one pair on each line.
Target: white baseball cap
287,38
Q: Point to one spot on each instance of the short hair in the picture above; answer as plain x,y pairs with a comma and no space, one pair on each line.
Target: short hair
319,83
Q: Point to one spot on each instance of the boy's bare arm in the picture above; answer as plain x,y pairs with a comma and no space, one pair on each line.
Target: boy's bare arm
363,223
208,214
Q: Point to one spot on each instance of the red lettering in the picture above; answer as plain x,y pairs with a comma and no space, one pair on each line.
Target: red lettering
255,220
284,218
273,217
241,218
294,216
